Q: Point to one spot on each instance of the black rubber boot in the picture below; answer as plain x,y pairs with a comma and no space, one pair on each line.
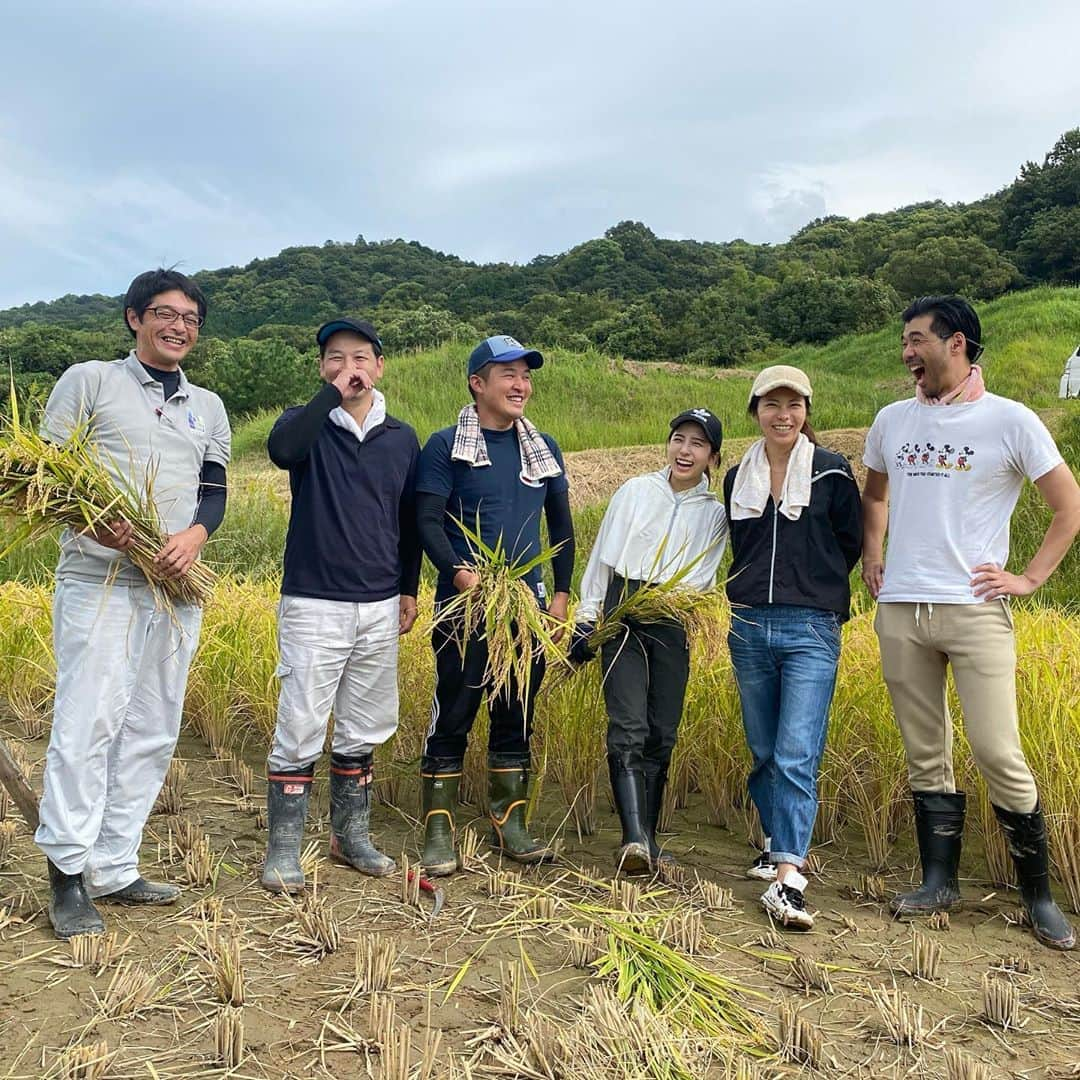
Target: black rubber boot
939,828
71,911
628,788
1026,837
287,795
508,787
440,779
350,816
655,785
141,891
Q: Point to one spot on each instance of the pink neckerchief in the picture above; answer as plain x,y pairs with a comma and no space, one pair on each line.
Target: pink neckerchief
971,389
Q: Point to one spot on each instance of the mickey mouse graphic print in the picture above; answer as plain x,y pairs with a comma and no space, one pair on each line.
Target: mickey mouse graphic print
955,474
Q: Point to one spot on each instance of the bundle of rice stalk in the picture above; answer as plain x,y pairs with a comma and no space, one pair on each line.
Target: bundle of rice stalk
665,981
502,611
47,485
653,601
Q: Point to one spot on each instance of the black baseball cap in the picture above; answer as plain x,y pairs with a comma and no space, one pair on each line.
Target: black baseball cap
714,430
356,326
502,349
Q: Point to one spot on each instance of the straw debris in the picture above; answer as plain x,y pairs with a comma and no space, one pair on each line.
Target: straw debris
800,1041
229,1036
170,799
960,1066
132,990
84,1061
810,975
903,1020
1001,1003
97,951
714,897
8,831
925,956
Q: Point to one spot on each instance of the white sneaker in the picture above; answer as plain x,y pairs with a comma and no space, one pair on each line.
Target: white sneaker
785,903
761,869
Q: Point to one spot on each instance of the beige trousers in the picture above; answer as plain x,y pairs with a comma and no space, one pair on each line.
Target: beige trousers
917,642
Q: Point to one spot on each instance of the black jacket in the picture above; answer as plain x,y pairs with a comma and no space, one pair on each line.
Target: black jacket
804,563
352,530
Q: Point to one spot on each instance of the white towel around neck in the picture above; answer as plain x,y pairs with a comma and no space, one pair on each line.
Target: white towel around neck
750,493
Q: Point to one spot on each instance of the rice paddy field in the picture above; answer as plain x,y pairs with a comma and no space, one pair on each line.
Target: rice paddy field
565,970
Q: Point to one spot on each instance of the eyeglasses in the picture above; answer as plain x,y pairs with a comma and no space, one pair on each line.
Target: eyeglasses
168,315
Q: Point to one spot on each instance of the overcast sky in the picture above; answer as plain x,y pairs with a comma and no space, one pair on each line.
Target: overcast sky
211,132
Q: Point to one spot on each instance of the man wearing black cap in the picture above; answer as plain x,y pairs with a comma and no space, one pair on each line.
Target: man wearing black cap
496,473
352,566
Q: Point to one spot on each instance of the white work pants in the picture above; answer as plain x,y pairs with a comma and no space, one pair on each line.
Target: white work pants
334,655
121,672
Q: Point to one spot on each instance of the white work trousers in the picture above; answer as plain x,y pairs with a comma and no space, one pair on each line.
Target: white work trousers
121,671
334,655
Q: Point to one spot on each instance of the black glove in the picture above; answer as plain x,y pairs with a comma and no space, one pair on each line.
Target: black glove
579,651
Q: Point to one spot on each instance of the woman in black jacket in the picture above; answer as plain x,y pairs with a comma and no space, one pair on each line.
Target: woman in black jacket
796,533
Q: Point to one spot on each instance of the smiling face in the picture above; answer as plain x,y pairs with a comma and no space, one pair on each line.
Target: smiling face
501,391
937,365
689,454
781,415
163,343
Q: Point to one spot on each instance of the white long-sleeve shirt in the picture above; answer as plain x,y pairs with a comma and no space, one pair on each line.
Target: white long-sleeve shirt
650,533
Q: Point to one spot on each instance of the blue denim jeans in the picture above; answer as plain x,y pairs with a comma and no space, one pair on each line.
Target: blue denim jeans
785,661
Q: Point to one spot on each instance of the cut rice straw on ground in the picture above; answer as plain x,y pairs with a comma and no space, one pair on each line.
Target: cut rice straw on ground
47,485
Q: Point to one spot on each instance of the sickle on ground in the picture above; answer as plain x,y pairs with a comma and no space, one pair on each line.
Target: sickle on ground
438,897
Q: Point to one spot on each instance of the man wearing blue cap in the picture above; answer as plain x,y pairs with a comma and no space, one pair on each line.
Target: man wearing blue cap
496,473
352,566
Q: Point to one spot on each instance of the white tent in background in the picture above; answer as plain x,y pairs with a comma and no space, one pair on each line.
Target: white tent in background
1070,380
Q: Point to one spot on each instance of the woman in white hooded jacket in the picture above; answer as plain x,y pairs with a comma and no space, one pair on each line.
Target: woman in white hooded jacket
655,527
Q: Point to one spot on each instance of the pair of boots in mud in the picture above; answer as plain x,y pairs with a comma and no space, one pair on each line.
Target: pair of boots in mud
939,827
508,787
287,796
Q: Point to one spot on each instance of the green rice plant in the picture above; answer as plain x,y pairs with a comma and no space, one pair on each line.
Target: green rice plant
501,610
647,970
44,486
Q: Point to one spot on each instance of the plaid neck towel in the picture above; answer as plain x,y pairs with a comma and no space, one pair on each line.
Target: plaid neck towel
537,460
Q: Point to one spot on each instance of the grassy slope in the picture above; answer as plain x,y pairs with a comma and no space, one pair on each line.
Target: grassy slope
589,401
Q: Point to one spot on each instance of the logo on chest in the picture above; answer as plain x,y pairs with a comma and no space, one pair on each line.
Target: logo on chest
929,459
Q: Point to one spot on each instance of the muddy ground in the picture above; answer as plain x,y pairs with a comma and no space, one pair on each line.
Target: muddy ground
292,1017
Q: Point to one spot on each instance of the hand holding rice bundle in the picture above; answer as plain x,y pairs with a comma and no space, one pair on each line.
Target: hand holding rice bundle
45,486
501,608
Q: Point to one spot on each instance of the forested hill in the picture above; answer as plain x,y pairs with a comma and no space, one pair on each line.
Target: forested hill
628,293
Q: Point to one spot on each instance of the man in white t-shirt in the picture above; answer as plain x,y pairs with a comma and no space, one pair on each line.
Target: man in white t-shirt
944,472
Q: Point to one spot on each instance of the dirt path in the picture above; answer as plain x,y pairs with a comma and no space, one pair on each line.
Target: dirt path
294,1024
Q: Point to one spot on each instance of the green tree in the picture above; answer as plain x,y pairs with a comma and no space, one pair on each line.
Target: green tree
950,264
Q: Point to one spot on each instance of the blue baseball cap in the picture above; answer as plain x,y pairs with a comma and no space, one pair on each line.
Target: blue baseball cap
502,349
